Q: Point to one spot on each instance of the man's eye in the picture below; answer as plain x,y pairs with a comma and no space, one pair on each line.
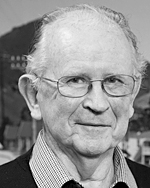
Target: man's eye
114,80
76,80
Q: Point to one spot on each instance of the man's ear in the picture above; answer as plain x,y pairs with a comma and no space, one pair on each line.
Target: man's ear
135,92
29,94
136,88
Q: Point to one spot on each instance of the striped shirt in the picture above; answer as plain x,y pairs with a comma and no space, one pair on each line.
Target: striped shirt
49,172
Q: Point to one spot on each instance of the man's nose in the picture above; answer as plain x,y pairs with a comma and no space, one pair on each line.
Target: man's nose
96,100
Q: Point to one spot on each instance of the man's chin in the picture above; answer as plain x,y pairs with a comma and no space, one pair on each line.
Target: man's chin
90,151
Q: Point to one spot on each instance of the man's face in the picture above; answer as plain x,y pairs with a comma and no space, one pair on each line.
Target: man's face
96,122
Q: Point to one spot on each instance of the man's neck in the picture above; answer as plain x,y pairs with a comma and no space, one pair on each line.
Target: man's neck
90,172
93,172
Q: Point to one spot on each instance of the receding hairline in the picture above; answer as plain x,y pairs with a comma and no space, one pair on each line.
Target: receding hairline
77,20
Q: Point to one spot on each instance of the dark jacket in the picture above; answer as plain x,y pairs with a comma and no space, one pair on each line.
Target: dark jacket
17,174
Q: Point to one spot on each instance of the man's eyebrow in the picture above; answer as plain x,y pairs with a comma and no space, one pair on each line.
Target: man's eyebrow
74,73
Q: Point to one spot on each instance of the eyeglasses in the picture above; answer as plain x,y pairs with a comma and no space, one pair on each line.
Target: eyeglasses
77,86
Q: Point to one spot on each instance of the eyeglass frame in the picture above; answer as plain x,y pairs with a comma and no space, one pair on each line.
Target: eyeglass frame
135,78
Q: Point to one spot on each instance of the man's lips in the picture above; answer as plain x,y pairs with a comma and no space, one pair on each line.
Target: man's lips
92,124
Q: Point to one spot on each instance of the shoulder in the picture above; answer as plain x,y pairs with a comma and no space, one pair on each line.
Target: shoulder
140,172
17,173
19,162
134,166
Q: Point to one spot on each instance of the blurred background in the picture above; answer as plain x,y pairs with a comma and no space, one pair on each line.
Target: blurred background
18,21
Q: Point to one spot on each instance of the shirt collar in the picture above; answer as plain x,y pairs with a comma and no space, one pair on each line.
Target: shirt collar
48,171
122,171
45,166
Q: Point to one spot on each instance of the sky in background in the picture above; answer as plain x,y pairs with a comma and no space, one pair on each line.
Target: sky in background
14,13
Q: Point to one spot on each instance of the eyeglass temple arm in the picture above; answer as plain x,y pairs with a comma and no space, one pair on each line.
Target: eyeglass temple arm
45,78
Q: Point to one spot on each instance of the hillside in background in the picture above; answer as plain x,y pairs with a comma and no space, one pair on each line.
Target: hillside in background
18,42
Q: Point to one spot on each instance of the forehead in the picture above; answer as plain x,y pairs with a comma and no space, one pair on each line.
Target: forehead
88,41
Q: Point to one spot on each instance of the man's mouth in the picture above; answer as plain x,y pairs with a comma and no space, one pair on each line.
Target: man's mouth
91,124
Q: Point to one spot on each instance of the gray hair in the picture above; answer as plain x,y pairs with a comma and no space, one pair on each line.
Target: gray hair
37,59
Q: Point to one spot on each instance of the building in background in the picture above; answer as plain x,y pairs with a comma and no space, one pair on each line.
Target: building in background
136,146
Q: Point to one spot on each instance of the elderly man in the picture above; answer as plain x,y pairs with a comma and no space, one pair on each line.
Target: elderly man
82,78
